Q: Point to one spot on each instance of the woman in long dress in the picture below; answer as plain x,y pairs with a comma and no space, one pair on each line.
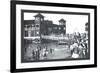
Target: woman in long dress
75,53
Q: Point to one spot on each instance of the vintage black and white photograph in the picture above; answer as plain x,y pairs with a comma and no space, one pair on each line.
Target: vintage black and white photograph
50,36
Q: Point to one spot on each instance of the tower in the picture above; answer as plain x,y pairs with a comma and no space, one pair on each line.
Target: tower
62,26
62,22
38,19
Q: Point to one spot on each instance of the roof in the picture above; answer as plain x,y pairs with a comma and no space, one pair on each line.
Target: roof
62,20
47,22
28,22
86,24
39,15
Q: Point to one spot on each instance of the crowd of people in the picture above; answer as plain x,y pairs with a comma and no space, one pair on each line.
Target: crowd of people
78,47
41,52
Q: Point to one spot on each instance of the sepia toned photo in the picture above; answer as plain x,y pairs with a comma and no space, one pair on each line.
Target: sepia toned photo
54,36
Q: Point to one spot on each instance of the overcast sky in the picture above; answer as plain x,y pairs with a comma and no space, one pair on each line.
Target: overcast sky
74,23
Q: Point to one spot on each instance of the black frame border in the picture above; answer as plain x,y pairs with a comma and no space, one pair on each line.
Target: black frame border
13,35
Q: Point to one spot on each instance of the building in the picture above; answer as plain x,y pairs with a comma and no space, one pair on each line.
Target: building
39,26
86,27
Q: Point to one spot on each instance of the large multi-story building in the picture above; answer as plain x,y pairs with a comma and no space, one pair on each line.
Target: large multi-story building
39,26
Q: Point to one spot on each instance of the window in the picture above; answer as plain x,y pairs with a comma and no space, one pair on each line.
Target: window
64,28
37,32
32,33
55,28
37,28
26,33
59,28
37,25
32,25
25,27
49,29
41,19
37,18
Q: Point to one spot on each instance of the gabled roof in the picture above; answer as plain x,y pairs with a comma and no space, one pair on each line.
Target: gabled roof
39,15
62,20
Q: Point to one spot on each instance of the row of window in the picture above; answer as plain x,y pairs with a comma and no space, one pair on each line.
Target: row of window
32,25
37,28
60,28
31,33
32,28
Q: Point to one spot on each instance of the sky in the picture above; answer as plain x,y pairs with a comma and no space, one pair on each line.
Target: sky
74,23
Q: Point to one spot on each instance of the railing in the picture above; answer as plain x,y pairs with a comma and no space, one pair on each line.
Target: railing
49,37
32,38
53,37
32,28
